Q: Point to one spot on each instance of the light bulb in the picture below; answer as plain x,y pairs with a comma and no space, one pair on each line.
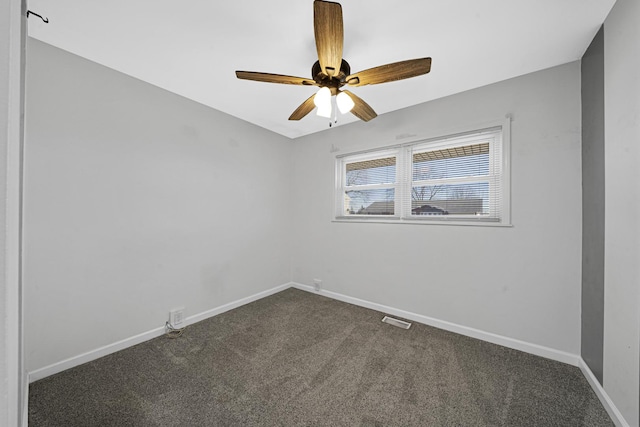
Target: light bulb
345,103
323,97
324,111
322,100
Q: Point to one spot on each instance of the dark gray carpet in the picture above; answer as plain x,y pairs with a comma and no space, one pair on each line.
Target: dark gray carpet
299,359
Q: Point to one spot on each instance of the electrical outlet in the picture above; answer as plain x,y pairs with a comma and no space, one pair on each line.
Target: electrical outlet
176,317
317,284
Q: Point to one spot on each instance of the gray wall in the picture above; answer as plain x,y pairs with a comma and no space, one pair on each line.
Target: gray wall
611,208
138,201
521,282
621,374
593,205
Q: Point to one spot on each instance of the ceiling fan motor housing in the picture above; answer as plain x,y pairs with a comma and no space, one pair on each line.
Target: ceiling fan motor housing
333,83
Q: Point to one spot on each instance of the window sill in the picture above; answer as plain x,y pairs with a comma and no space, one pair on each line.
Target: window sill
398,220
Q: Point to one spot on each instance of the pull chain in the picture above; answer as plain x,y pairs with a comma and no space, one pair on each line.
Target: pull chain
334,109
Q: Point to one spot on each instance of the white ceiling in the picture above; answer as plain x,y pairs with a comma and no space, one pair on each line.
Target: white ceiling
193,47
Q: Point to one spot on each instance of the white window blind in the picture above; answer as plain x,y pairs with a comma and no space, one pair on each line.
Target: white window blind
459,178
368,185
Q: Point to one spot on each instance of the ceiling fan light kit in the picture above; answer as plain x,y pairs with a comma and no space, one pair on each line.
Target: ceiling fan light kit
331,72
344,102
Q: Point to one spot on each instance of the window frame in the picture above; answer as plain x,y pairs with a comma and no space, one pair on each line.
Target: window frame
498,163
341,186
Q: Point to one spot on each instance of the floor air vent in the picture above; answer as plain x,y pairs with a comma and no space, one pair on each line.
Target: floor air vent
395,322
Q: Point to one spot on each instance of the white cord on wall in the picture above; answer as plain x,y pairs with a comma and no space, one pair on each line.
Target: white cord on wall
173,332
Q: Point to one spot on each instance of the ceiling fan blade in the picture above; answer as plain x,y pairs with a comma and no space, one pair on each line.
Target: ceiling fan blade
361,109
390,72
329,33
305,108
274,78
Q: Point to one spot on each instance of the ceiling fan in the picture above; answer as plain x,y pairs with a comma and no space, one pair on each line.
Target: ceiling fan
331,72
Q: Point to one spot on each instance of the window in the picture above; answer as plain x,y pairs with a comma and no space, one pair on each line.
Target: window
456,179
370,185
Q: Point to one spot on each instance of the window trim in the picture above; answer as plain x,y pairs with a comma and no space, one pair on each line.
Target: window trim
404,178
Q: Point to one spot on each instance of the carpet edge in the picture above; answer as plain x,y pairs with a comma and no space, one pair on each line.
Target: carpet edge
603,396
535,349
105,350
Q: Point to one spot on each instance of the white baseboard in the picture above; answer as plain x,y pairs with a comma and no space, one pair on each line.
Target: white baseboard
538,350
74,361
609,406
235,304
145,336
